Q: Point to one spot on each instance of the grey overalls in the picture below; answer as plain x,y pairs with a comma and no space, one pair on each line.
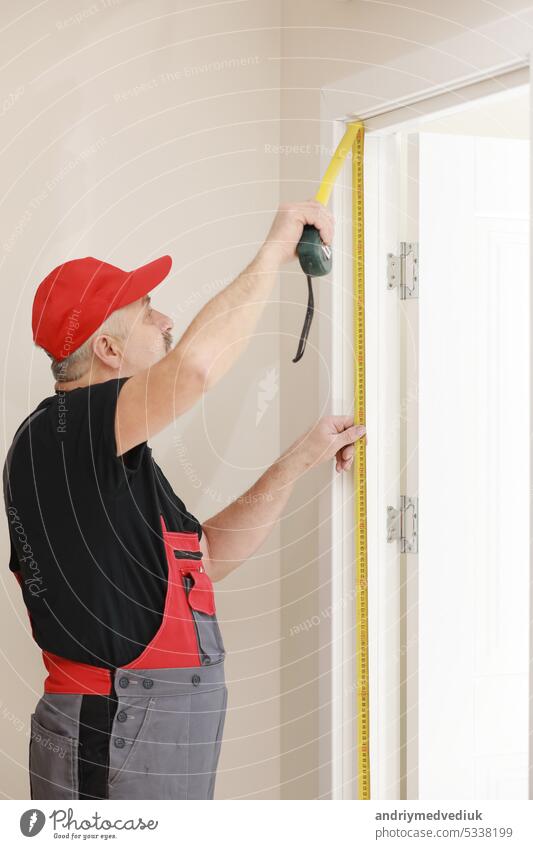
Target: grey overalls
163,713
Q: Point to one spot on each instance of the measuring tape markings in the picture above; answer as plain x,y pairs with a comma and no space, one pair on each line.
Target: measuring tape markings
361,542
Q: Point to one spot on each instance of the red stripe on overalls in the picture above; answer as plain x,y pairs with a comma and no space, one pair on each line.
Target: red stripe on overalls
174,644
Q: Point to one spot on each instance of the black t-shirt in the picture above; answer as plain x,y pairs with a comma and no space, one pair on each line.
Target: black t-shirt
85,528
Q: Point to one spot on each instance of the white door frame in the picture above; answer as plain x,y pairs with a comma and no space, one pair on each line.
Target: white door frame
382,233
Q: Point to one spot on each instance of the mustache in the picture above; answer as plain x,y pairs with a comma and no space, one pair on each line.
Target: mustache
168,340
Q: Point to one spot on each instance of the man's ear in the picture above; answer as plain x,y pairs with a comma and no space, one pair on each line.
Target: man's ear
108,350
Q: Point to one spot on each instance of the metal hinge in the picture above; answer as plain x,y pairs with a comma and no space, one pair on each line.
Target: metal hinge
402,270
402,524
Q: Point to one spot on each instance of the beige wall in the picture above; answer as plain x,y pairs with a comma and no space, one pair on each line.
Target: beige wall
102,155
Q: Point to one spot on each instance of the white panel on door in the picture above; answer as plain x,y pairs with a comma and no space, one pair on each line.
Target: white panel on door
473,467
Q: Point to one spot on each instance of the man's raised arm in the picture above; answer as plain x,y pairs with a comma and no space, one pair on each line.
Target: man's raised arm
150,400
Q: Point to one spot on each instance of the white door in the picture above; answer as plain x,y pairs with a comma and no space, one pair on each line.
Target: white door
474,385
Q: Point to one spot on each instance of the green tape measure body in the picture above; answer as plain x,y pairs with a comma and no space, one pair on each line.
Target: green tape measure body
315,257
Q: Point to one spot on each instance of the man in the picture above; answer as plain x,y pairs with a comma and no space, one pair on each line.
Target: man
116,574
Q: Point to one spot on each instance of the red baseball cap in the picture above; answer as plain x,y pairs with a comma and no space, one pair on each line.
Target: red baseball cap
77,297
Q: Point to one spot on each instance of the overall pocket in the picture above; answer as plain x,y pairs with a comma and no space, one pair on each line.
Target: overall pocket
185,560
53,762
200,592
208,633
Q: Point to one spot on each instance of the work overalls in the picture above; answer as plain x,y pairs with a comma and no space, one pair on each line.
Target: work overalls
165,710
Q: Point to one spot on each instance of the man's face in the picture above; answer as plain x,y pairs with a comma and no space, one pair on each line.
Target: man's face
149,337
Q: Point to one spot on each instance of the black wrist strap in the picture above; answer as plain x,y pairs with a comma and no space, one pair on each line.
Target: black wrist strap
307,322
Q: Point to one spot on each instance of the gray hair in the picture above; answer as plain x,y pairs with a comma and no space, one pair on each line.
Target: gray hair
76,364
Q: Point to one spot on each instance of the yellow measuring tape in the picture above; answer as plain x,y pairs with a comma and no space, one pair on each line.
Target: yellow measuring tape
353,140
361,542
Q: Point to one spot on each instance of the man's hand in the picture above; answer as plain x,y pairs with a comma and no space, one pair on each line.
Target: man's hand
331,436
288,225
